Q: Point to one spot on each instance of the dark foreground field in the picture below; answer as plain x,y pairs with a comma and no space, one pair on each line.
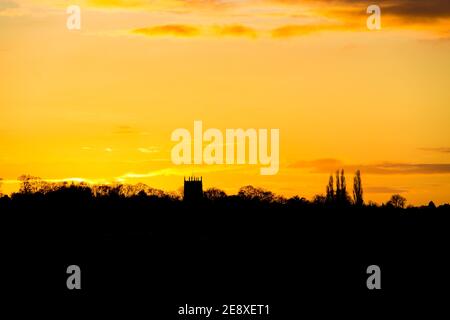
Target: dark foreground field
161,253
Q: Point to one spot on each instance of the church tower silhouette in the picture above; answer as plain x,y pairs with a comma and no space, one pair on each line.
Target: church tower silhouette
193,189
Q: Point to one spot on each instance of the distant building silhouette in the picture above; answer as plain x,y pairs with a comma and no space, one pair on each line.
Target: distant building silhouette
193,189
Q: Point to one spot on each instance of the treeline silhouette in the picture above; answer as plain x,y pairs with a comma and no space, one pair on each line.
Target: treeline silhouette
252,243
336,196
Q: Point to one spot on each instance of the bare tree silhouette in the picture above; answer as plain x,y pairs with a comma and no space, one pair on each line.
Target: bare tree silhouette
214,194
397,201
29,184
252,193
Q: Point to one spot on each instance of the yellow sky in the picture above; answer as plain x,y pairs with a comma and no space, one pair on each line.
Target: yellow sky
100,103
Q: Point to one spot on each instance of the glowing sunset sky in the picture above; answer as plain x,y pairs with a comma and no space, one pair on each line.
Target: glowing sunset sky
100,103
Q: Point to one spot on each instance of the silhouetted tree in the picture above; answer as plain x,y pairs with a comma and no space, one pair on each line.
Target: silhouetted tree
29,184
214,194
397,201
372,204
343,197
107,194
101,190
252,193
173,195
357,190
296,201
319,200
127,190
338,187
330,191
280,199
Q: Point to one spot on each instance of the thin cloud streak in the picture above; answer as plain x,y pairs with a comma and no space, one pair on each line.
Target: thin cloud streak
148,150
400,8
184,30
408,9
384,190
439,150
302,30
236,31
386,168
7,4
174,30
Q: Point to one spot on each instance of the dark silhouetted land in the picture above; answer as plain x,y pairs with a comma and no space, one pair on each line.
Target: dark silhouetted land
250,247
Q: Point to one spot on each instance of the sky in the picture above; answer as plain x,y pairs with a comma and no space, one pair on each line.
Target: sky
99,104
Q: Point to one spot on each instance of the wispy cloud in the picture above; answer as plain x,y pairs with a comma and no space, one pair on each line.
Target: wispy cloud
148,150
410,9
430,15
301,30
119,3
278,18
6,4
9,8
150,174
404,8
417,9
384,190
235,31
58,180
321,164
179,171
175,30
385,168
439,150
183,30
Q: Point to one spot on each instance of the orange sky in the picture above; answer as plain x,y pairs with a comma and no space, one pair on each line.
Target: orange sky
100,103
